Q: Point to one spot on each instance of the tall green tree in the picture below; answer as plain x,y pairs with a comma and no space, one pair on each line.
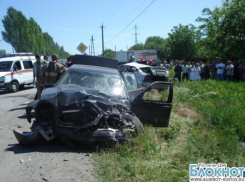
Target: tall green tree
2,52
157,43
108,53
15,23
36,37
224,29
26,35
182,42
138,46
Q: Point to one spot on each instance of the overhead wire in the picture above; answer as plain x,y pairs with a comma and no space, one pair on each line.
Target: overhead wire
118,7
131,22
116,10
128,14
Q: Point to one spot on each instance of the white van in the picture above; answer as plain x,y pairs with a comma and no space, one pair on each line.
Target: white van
16,70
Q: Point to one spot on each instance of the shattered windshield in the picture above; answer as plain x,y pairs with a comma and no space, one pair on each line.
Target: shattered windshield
106,84
5,66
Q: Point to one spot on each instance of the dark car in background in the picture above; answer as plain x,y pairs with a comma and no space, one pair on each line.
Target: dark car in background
96,104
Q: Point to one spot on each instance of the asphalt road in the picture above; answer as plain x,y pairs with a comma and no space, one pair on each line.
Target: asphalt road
50,161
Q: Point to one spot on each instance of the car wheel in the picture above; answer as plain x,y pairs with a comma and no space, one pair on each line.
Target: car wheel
138,125
14,87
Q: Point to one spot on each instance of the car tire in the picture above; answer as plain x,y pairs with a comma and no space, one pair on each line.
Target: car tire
138,125
14,87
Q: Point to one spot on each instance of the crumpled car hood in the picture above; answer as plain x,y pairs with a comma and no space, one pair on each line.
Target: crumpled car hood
67,95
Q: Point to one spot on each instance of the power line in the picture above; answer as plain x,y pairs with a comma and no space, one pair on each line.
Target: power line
131,21
128,14
116,10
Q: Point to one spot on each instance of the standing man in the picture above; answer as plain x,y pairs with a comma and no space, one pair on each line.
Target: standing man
165,65
52,71
178,70
207,69
46,58
189,69
69,62
131,60
201,66
142,60
37,67
220,69
213,70
185,69
229,71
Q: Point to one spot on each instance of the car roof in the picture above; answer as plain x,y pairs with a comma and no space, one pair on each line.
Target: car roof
16,58
137,65
96,69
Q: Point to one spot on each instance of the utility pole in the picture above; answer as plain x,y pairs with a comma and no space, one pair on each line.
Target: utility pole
92,45
115,55
102,27
135,27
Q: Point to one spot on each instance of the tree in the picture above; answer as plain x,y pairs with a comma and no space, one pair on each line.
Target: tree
14,23
2,52
26,35
139,46
224,29
157,43
108,53
182,42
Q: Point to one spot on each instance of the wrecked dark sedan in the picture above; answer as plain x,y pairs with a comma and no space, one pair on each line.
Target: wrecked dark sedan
96,104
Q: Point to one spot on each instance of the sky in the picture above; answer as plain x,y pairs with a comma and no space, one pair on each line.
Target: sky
76,21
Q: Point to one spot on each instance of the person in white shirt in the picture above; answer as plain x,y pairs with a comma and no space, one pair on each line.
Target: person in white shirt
229,71
191,65
220,70
195,73
185,69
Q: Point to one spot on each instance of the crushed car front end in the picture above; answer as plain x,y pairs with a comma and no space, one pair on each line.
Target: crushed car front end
78,114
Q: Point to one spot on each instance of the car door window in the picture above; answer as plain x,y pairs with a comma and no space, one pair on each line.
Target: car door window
27,64
157,94
130,81
17,66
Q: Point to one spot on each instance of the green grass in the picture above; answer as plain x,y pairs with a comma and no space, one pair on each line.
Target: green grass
206,125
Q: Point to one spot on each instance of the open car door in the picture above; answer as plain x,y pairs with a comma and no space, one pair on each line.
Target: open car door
153,105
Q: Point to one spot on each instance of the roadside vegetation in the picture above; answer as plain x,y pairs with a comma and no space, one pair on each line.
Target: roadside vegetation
206,126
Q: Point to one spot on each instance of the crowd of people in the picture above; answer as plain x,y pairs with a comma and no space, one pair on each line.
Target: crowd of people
217,70
197,71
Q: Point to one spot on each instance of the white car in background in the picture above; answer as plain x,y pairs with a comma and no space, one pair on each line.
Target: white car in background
16,70
145,73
